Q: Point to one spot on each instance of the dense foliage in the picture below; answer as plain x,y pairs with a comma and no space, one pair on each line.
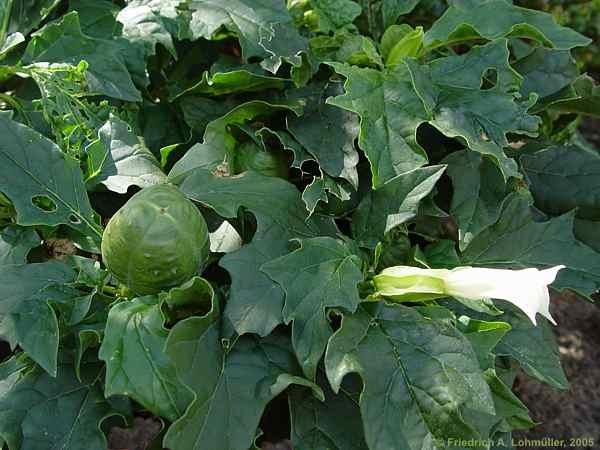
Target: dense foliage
321,141
581,15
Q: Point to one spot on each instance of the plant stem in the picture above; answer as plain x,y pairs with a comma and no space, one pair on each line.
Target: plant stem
110,290
5,21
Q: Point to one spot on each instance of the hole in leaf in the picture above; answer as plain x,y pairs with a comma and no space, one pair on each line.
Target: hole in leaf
275,423
435,143
74,219
44,203
489,80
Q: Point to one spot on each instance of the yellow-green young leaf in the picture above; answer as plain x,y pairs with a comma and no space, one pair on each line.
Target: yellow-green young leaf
400,41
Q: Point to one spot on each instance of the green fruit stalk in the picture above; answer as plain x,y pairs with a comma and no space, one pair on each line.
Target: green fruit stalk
156,241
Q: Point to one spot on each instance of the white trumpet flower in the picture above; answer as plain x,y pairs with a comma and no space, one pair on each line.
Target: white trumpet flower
527,289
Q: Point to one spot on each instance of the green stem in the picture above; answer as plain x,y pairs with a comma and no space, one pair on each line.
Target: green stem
5,21
11,101
370,17
110,290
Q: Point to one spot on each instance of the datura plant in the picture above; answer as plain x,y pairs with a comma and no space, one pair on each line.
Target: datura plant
338,222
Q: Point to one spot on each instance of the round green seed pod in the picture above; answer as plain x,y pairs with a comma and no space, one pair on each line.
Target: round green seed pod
156,241
250,156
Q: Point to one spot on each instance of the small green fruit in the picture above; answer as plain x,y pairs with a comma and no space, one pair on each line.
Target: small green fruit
156,241
250,156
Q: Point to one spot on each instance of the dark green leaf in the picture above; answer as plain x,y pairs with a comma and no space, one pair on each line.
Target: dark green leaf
493,19
219,143
151,22
15,244
327,190
123,160
461,104
390,112
250,20
199,111
255,301
392,204
442,255
516,241
133,349
335,14
64,42
45,186
563,178
359,51
479,190
586,231
508,406
227,79
534,347
289,144
583,97
546,71
39,412
417,375
11,42
484,337
197,292
333,424
327,132
393,9
26,319
97,17
285,44
323,273
232,388
26,15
